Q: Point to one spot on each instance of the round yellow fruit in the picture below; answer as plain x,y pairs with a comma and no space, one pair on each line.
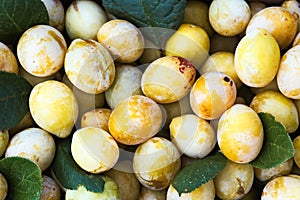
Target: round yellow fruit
288,73
296,143
229,17
127,82
278,21
190,42
89,66
135,120
282,187
123,40
50,189
4,139
240,134
34,144
96,118
205,191
54,107
234,181
8,61
94,150
168,79
192,135
257,58
282,108
41,50
83,19
267,174
156,162
212,94
3,187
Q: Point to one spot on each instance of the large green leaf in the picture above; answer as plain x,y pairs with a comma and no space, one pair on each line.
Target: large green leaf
198,173
24,178
69,174
166,14
14,97
278,146
16,16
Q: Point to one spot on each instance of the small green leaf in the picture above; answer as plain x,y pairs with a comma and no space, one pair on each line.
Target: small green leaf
167,14
278,146
24,178
14,97
69,174
16,16
198,173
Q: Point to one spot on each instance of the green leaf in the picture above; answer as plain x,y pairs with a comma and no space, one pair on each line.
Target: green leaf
277,147
14,97
167,14
16,16
69,174
198,173
24,178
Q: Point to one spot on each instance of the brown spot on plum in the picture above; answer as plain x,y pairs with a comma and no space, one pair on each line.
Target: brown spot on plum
241,189
184,64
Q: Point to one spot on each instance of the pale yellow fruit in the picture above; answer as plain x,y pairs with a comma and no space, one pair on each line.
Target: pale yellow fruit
205,191
86,101
192,135
89,66
229,17
56,13
41,50
3,187
148,194
122,174
123,40
282,108
94,150
196,12
283,187
8,61
4,139
294,7
168,79
234,181
256,6
110,192
278,21
83,19
34,144
288,73
296,143
223,43
156,162
96,118
190,42
50,189
135,120
127,82
222,61
257,58
280,170
54,107
240,134
212,94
